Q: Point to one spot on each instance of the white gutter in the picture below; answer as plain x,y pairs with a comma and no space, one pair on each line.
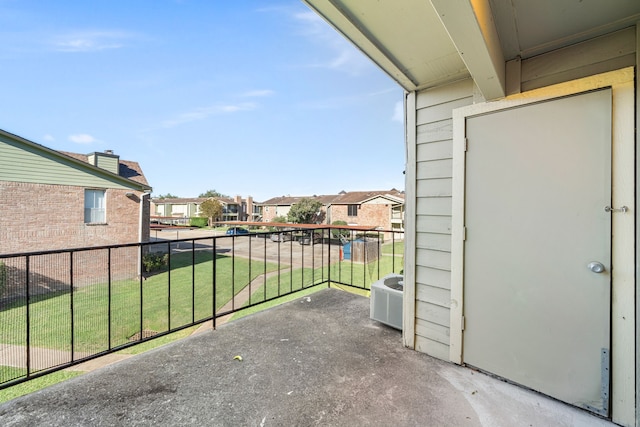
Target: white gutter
140,223
140,226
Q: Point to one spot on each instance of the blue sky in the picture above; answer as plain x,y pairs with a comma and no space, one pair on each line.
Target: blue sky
258,98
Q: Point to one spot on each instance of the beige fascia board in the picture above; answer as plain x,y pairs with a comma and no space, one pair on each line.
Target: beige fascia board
470,26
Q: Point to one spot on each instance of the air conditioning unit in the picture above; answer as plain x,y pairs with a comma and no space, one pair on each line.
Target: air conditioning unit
386,300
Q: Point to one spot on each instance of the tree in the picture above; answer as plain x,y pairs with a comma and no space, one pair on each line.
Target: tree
212,193
281,219
166,196
336,233
306,211
211,209
278,219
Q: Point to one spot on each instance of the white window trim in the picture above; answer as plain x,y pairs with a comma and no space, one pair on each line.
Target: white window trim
104,192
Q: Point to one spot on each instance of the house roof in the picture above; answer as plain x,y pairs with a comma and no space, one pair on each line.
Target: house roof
286,200
132,172
197,200
358,197
423,44
344,197
178,200
127,168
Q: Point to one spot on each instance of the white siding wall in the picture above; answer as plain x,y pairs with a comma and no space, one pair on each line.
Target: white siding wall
433,169
434,148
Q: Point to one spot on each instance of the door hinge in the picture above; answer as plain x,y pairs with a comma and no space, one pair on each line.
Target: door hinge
464,234
462,323
466,144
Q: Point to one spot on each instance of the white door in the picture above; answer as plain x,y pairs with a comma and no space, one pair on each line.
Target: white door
536,311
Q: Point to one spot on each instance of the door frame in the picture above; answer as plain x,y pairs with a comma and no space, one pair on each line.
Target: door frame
623,224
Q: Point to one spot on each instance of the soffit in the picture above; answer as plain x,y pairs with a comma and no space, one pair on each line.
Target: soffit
527,28
404,37
417,47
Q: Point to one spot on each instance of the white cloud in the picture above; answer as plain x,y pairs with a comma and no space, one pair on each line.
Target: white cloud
205,112
398,112
90,41
312,19
82,138
258,93
48,138
343,56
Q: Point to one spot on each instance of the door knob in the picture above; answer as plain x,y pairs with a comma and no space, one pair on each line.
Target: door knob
596,267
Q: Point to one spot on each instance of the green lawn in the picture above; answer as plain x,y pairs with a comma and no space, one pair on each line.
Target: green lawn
169,300
393,247
356,274
32,385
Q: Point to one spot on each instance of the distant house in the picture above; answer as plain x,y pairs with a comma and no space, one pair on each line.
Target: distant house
382,209
175,210
280,206
178,210
54,200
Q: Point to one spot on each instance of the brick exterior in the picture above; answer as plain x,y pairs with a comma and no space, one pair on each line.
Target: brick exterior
38,217
379,209
272,211
369,214
374,214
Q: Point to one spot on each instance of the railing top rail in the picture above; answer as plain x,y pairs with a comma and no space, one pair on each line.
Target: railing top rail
292,228
302,226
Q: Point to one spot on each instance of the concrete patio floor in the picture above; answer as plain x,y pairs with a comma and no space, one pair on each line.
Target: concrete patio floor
318,360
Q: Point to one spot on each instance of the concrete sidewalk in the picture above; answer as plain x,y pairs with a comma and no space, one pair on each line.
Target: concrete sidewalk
318,360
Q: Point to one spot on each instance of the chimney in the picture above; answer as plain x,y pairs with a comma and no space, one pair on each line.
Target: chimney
107,161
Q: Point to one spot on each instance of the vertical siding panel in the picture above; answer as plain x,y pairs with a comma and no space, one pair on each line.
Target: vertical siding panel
410,266
434,151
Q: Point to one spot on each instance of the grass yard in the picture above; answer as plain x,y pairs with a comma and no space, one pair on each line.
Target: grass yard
396,247
356,274
33,385
167,300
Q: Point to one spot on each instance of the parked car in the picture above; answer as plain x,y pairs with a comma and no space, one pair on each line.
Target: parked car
283,235
280,237
237,230
309,238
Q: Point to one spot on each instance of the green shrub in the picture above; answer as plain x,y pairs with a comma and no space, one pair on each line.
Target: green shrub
3,277
155,262
280,219
199,222
337,233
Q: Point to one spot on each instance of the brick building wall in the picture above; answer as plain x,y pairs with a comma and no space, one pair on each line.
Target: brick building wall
270,212
375,214
38,217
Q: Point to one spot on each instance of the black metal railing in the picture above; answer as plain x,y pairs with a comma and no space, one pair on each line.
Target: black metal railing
60,308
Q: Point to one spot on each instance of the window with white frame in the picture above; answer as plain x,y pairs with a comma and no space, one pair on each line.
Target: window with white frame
352,210
94,207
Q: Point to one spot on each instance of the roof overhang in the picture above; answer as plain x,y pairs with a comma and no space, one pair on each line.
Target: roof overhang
427,43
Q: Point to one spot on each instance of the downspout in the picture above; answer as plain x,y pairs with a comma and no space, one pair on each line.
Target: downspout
141,219
143,196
